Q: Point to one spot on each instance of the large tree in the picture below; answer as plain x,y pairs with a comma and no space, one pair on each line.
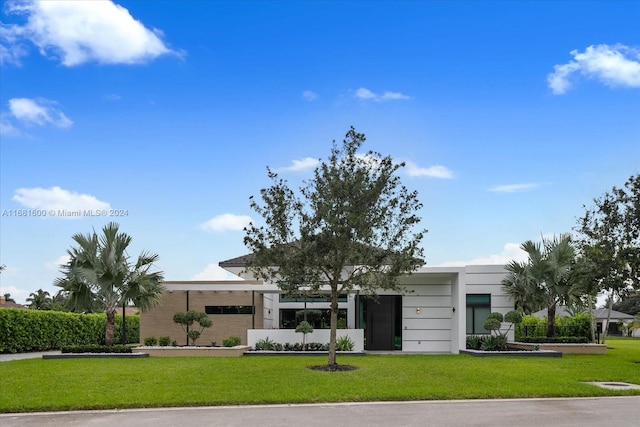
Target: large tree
100,275
544,277
352,226
609,240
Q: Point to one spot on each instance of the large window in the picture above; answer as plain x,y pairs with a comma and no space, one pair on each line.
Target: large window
478,309
318,318
228,309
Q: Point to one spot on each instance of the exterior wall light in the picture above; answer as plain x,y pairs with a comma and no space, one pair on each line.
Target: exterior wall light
418,310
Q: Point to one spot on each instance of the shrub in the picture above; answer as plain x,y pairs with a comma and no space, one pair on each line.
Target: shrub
265,344
150,341
231,341
96,349
188,318
23,331
474,342
164,341
344,343
304,328
560,340
494,343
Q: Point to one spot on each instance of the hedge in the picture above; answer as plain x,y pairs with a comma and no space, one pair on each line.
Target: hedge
37,330
575,326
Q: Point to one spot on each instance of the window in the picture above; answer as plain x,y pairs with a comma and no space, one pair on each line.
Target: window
478,309
228,309
313,298
318,318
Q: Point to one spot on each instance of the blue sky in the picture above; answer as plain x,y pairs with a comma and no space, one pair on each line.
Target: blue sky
510,115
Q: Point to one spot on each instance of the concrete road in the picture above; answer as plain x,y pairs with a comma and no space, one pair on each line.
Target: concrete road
583,412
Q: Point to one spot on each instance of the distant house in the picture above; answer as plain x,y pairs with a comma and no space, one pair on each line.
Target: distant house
9,304
441,307
600,314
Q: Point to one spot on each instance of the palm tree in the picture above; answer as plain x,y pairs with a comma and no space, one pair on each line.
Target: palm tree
99,275
8,298
40,300
545,277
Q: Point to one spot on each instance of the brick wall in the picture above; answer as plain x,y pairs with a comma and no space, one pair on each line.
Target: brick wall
159,321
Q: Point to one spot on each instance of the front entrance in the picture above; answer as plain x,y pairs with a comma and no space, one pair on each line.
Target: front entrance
382,322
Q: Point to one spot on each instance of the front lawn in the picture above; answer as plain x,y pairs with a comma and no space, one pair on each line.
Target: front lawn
67,384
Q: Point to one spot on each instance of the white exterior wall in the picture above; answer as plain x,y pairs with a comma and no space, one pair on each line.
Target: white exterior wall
426,318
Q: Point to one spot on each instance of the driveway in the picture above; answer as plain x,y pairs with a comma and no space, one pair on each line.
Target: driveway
579,412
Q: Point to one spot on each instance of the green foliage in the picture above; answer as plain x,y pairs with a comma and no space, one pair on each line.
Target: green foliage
344,343
265,345
164,341
100,276
474,342
36,330
231,341
40,300
353,212
514,317
304,328
494,343
150,341
188,318
544,278
96,349
533,327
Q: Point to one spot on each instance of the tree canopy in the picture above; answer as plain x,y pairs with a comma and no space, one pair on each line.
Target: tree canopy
609,241
544,278
100,275
353,225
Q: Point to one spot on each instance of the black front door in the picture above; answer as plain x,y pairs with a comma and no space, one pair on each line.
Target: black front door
383,318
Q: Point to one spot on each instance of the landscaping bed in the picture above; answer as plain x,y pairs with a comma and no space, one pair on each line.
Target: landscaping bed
95,356
192,351
581,348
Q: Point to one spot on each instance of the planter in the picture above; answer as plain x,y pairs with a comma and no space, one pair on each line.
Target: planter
562,348
95,356
236,351
521,353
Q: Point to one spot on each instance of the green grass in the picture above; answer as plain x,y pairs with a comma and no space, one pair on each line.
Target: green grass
68,384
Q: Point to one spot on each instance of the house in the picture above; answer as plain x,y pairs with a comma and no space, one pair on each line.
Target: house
441,306
600,314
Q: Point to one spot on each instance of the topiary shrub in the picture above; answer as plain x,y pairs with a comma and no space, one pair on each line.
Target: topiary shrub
304,328
164,341
188,318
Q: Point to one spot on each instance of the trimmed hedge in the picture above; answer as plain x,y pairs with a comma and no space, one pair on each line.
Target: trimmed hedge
37,330
575,326
97,349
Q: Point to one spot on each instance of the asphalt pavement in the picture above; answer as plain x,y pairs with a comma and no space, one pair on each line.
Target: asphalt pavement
571,412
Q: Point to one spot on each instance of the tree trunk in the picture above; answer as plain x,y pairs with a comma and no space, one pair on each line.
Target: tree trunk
605,328
551,320
109,330
592,328
334,325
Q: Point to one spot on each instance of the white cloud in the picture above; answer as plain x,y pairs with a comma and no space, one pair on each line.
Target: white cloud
511,251
39,112
367,95
436,171
55,265
226,222
514,188
56,199
215,272
7,128
309,95
81,31
299,165
613,65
